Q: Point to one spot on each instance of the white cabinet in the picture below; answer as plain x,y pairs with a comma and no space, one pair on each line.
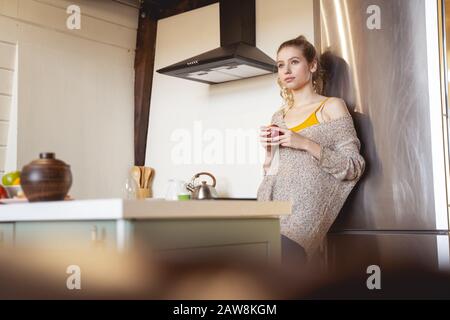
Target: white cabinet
6,235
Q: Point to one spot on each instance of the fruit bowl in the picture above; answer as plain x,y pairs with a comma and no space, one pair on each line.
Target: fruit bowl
14,191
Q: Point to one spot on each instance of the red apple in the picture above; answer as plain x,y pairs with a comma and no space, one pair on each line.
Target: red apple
3,193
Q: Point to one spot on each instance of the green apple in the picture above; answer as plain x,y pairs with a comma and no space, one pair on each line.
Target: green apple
8,179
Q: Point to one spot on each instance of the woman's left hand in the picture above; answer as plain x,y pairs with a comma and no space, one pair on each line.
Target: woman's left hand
290,139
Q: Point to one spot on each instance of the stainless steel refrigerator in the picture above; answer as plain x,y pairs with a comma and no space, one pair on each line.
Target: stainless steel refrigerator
378,55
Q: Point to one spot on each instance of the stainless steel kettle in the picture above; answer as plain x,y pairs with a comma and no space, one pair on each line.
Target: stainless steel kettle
203,191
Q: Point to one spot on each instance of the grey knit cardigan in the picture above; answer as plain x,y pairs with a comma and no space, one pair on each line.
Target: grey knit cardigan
316,188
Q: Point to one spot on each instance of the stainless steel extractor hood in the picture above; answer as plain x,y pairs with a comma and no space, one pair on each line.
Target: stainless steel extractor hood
237,57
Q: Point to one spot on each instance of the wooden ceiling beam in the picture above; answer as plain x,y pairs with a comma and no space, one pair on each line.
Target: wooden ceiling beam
161,9
144,63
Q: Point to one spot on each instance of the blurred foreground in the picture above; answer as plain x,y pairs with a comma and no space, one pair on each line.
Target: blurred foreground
142,274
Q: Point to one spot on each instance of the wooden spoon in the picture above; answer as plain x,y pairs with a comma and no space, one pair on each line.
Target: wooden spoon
147,175
136,174
142,168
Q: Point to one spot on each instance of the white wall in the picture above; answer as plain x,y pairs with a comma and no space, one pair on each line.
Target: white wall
242,105
75,93
7,73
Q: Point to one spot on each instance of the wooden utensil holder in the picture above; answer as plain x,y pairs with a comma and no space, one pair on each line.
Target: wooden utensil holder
142,193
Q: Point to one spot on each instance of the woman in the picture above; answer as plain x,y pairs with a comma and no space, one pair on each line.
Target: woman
316,150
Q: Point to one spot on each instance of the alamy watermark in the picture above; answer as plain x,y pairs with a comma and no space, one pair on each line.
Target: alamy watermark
374,20
73,281
73,22
213,146
374,280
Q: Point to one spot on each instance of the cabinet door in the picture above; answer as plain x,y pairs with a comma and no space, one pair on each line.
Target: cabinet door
64,235
6,235
237,237
253,252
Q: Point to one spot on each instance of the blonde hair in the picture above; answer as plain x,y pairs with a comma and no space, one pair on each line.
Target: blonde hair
310,53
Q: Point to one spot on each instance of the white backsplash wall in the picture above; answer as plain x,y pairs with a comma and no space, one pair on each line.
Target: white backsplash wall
75,88
7,72
182,109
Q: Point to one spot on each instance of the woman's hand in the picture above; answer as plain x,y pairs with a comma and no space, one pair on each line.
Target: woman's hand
290,139
264,137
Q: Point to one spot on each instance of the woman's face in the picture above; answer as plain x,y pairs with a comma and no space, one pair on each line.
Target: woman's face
293,68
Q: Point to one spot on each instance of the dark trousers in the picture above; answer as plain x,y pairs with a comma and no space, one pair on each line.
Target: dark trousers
291,252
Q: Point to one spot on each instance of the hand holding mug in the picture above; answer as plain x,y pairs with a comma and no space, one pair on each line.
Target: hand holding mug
290,139
268,136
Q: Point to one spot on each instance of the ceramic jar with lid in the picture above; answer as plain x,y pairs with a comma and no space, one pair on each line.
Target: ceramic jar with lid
46,179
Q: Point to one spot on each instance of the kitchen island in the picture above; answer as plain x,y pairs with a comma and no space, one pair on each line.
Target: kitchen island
173,229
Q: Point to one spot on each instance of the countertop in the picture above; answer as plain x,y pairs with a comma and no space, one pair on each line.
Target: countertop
153,208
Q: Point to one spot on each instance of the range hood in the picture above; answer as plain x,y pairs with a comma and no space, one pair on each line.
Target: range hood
237,57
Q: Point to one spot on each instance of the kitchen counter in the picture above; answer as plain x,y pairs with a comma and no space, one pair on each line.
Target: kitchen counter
237,229
107,209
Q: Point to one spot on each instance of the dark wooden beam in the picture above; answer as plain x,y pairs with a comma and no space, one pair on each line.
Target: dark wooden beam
181,6
143,67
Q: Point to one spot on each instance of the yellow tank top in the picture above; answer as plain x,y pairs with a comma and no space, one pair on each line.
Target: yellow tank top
310,121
